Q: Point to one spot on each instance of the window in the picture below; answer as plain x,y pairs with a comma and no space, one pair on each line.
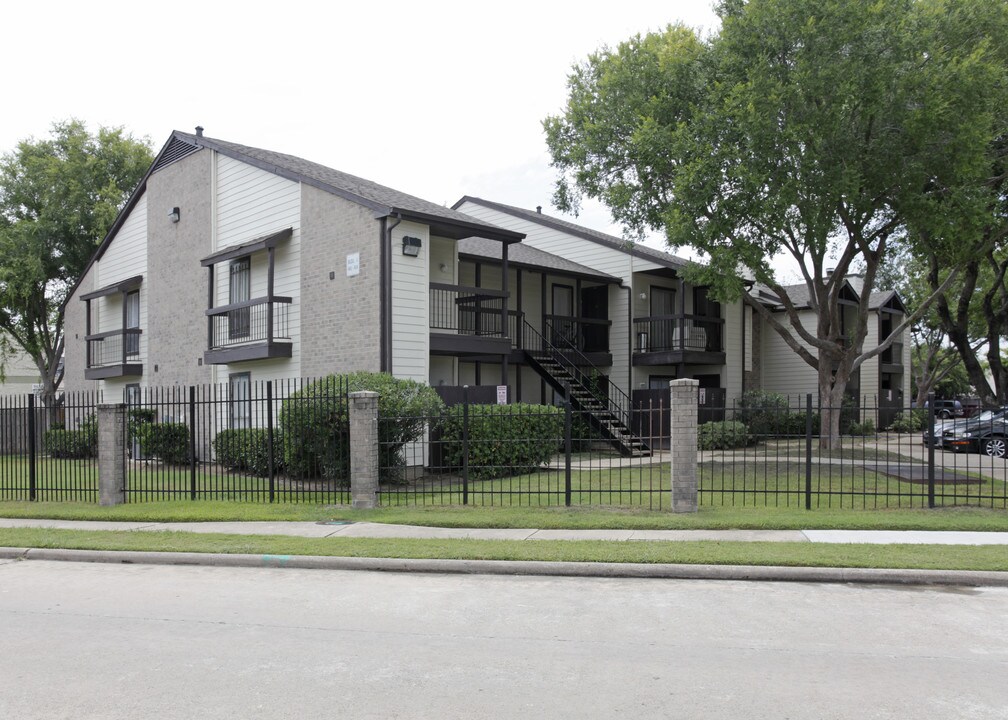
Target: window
132,340
239,291
240,393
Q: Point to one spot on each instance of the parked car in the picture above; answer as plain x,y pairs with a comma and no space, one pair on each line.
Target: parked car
943,428
945,409
987,433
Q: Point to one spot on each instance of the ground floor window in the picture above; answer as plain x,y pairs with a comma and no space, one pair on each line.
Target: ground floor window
239,387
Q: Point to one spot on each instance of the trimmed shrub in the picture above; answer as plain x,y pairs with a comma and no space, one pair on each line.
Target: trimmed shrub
315,423
862,428
248,449
167,441
766,413
503,439
725,435
909,421
73,444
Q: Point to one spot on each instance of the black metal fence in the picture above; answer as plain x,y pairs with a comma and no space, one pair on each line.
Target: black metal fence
781,454
515,455
275,441
288,441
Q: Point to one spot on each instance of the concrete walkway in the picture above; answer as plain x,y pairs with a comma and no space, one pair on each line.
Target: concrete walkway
383,530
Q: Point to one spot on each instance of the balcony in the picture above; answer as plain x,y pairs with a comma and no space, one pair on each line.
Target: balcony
891,359
675,339
588,336
256,329
468,321
113,354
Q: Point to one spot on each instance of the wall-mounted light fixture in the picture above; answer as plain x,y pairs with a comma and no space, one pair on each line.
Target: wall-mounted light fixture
443,267
643,296
174,215
411,246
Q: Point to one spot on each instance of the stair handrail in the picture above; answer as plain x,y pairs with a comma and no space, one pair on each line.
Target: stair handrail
585,380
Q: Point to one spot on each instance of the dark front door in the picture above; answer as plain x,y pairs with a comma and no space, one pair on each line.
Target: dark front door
595,306
662,308
704,307
562,328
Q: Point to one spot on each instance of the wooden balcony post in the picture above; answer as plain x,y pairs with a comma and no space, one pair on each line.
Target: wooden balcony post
122,336
210,304
87,331
269,299
504,310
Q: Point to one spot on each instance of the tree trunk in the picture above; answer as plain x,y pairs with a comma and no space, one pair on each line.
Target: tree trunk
831,393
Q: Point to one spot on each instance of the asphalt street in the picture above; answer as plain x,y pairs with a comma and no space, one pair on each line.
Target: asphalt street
84,640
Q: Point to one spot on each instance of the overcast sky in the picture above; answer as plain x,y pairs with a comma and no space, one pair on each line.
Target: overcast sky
438,99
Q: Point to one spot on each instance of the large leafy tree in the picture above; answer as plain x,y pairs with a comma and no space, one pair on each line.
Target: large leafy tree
816,129
58,198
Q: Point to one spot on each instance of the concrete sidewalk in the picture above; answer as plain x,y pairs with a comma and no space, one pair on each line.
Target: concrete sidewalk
382,530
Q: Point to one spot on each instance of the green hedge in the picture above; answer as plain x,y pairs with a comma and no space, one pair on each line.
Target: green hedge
503,439
167,441
862,428
315,425
248,449
909,421
76,444
726,435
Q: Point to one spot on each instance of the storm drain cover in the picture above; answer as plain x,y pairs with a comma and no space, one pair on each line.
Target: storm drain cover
335,522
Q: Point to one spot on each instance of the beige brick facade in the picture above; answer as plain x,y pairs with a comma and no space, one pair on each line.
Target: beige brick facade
176,285
340,317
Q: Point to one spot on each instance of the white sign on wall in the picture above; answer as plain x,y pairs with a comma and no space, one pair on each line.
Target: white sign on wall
353,264
502,394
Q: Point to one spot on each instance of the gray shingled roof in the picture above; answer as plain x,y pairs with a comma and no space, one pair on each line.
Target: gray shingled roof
379,198
799,294
521,254
638,250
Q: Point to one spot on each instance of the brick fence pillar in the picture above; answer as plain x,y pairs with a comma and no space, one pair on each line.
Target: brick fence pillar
683,429
364,448
111,454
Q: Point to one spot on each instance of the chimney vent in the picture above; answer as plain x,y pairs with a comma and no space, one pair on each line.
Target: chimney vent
539,209
829,272
199,131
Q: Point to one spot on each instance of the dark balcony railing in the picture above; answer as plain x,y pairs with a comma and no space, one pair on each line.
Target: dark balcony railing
584,334
116,347
466,310
253,321
678,333
892,355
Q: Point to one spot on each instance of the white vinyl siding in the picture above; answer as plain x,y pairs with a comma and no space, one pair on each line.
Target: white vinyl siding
783,370
731,372
410,300
125,257
251,203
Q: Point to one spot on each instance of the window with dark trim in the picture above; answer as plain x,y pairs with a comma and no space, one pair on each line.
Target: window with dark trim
132,340
240,396
239,290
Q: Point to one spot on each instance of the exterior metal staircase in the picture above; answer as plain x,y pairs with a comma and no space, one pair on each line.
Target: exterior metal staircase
570,373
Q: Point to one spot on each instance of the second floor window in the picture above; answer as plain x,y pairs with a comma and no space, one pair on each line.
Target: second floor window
132,340
239,291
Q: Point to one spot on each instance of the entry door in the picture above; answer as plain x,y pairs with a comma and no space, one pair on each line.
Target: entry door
595,306
562,326
663,329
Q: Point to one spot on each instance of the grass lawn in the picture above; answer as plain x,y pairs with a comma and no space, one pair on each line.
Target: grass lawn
585,517
713,553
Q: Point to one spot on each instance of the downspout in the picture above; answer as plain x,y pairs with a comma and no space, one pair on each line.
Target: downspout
385,290
743,345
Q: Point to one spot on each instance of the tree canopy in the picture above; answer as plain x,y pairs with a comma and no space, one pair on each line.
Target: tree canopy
58,198
817,129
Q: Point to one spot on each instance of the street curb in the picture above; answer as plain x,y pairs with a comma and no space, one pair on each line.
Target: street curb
877,576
